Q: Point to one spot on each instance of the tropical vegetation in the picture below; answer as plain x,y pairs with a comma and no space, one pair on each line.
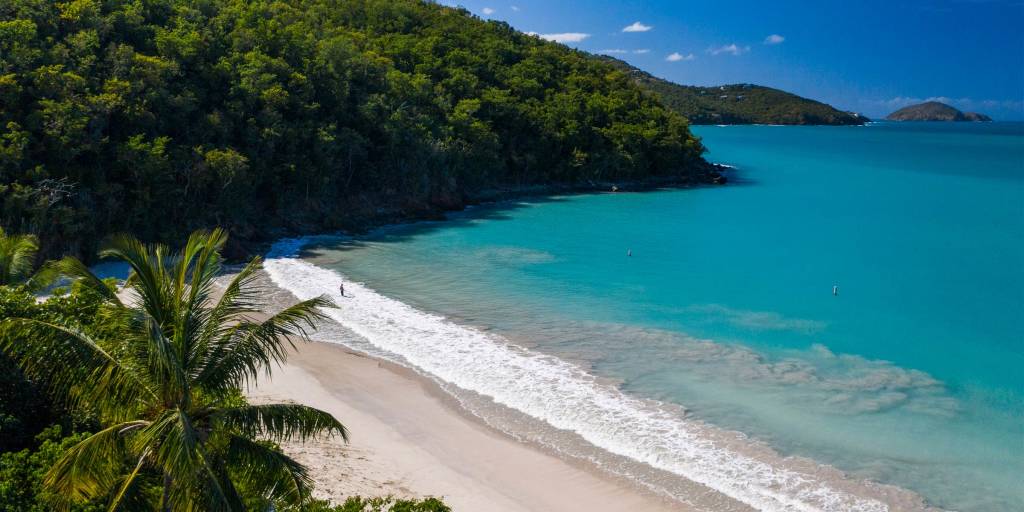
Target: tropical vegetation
158,117
17,257
145,410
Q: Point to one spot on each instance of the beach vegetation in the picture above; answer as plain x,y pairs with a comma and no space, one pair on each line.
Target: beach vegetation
17,257
380,504
155,369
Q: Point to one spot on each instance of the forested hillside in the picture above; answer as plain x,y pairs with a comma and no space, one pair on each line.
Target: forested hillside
738,103
160,116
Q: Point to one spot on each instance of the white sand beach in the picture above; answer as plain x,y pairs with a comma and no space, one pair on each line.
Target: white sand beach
406,440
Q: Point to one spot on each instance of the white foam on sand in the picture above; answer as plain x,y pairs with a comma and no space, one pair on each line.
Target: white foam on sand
561,394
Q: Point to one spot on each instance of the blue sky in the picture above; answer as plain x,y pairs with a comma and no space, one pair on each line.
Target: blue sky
865,55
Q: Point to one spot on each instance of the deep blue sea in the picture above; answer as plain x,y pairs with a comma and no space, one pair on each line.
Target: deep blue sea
650,323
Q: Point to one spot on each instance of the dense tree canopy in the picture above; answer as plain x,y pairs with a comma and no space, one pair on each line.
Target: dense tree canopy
160,116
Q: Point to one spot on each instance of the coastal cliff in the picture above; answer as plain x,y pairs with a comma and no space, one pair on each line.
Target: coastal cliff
935,111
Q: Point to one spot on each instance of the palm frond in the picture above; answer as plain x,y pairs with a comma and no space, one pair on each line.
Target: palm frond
195,272
220,475
239,297
280,422
73,268
71,363
127,482
269,471
88,468
249,349
148,272
174,443
178,449
17,257
164,362
199,263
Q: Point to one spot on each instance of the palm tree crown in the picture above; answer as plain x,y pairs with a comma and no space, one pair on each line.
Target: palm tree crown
17,255
166,389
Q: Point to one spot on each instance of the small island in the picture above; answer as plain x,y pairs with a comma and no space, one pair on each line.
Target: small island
935,111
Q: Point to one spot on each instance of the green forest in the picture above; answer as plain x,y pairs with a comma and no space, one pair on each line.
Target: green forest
737,103
157,117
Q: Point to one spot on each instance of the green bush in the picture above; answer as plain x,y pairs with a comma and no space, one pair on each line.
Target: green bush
21,473
25,408
381,504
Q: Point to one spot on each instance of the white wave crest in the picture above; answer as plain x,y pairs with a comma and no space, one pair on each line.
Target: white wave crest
558,392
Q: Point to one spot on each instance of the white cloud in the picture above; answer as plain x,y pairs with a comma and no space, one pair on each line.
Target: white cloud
642,51
613,51
774,39
487,11
515,8
676,57
564,37
731,49
637,27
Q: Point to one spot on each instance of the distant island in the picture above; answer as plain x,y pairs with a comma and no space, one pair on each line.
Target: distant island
738,103
935,111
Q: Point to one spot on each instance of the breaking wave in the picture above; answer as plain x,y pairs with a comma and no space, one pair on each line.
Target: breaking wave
565,396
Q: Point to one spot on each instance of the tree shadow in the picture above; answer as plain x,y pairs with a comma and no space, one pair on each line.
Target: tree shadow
470,216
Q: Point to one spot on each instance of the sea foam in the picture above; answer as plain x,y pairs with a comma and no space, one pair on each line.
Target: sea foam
559,393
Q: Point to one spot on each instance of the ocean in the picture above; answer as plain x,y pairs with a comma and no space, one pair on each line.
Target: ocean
838,328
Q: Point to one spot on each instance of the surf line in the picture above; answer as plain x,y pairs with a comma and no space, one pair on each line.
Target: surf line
560,394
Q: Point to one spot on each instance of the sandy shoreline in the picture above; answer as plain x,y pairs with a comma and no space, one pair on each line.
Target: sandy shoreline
407,441
411,438
422,441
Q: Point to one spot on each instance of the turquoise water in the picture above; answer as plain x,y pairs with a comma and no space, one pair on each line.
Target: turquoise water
911,375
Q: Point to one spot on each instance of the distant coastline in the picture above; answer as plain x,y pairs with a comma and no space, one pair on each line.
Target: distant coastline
737,104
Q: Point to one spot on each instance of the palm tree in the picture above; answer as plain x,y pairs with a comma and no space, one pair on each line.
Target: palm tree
17,255
166,392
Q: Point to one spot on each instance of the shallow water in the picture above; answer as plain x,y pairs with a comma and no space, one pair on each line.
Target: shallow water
909,376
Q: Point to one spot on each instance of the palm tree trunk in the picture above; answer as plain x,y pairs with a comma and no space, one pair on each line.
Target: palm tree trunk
165,502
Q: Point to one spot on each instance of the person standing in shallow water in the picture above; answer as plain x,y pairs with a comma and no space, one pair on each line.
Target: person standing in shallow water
341,289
